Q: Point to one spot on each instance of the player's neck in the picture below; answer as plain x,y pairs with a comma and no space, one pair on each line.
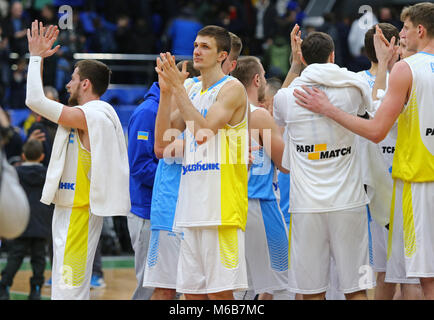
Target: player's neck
85,99
374,68
427,47
252,96
211,76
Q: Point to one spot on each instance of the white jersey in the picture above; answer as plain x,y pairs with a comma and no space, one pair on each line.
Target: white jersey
323,156
414,156
387,146
213,187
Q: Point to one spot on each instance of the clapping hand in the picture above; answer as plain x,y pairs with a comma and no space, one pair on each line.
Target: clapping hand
385,51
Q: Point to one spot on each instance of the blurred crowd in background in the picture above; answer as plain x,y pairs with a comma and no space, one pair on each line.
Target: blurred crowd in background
153,26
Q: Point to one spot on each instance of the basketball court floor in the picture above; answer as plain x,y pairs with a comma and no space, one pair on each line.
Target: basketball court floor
119,277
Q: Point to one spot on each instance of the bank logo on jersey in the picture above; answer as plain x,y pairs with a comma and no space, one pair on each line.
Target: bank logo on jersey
67,186
200,167
319,151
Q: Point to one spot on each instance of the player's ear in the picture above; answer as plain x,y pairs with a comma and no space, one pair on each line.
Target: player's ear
257,80
421,31
332,57
223,55
86,84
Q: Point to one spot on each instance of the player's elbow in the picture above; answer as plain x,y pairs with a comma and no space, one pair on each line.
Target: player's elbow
377,136
283,170
158,150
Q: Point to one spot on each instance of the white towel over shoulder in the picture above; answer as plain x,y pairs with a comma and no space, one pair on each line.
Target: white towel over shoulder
109,180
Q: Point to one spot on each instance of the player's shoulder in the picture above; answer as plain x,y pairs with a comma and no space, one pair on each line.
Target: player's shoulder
260,118
233,84
284,95
232,89
401,70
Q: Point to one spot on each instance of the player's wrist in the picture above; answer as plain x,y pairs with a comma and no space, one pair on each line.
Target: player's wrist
296,67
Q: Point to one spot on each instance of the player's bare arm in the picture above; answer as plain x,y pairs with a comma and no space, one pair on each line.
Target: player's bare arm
168,123
386,54
296,62
376,128
229,107
270,135
40,41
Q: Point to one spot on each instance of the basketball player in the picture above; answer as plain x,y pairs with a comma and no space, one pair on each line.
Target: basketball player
408,99
266,233
382,60
162,260
327,201
89,144
212,201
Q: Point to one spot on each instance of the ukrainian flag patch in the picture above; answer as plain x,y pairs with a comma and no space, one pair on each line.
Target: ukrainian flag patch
142,135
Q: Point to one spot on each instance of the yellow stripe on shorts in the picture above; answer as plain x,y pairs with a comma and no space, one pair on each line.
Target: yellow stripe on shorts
408,221
75,256
228,243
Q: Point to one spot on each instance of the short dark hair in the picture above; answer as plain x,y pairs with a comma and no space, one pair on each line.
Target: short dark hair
317,47
389,31
274,84
236,45
97,72
420,13
246,69
33,149
221,36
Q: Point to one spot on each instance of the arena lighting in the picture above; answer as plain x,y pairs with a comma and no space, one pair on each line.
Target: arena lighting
122,56
109,56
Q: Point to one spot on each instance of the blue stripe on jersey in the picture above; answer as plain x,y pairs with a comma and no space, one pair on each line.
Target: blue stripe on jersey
154,244
165,195
216,84
283,181
261,177
277,237
371,251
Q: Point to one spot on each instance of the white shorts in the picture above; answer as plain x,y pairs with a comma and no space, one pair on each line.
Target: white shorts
212,259
316,237
411,232
162,260
76,234
266,246
379,246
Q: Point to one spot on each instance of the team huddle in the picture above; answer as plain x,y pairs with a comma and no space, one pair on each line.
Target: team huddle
276,193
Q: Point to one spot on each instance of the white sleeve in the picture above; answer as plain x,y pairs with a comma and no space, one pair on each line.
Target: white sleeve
279,108
35,98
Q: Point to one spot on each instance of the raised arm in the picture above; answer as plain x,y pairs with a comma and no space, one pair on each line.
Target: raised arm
169,123
41,40
374,129
386,54
296,63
